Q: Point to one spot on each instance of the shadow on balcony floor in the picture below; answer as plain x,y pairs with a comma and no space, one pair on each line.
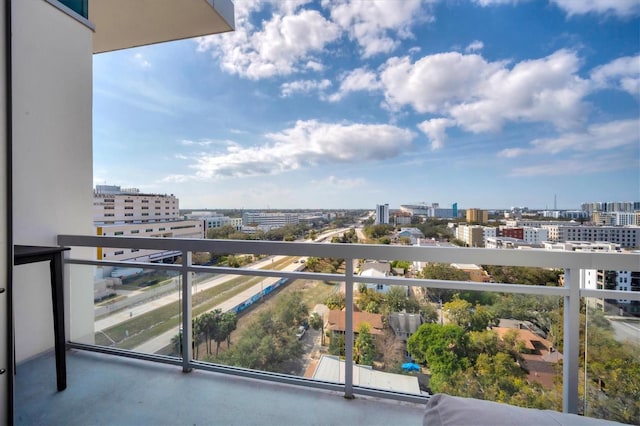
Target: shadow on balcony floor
109,390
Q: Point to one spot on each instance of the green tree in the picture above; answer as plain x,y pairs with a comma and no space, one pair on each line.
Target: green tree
290,309
397,298
229,322
364,347
316,322
444,348
442,271
335,302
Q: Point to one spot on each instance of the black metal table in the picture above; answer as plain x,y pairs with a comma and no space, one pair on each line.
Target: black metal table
30,254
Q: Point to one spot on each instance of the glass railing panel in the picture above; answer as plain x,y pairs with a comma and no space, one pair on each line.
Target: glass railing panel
135,308
272,324
610,364
494,346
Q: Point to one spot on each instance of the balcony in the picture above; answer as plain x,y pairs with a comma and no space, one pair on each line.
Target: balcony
147,380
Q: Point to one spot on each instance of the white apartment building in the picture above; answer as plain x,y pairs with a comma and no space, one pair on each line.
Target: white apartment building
268,221
214,220
616,218
598,279
506,243
535,236
113,205
626,236
382,214
488,232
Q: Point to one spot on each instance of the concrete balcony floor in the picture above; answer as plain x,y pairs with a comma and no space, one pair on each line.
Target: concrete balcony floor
110,390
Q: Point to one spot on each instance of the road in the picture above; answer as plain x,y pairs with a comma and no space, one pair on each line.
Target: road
626,329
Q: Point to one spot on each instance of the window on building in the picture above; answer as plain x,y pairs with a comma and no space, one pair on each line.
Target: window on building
118,233
119,252
80,7
128,201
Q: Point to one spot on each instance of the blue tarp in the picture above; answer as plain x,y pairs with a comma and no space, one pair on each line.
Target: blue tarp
410,366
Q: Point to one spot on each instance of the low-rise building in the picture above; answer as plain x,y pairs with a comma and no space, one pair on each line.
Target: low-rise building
331,368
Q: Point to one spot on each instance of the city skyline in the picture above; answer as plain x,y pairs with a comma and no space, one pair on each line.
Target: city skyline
488,103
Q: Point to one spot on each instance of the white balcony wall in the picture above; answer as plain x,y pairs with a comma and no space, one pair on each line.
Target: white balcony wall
4,379
52,163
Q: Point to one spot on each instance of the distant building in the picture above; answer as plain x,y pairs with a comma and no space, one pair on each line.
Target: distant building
454,210
213,220
268,221
173,229
477,216
616,218
428,242
626,236
506,243
531,235
471,235
382,214
601,279
115,205
412,233
402,218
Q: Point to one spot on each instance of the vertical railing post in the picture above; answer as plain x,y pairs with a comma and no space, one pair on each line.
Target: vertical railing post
570,369
187,335
348,332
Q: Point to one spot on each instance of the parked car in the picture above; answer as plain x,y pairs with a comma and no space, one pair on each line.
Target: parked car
300,333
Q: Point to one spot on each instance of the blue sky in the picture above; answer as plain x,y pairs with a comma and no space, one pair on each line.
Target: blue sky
349,104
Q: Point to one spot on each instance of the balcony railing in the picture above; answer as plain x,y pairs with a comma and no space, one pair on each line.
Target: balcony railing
571,262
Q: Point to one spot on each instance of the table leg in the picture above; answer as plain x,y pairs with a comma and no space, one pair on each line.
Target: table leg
57,296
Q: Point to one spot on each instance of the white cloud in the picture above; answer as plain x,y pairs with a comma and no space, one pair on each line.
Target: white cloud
377,25
435,81
474,46
141,61
315,66
481,96
573,167
308,143
281,46
356,80
597,137
435,129
622,73
343,184
622,8
303,86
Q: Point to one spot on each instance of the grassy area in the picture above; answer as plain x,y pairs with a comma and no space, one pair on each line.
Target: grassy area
139,329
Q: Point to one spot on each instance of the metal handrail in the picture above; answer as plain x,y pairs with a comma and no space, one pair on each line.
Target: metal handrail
571,262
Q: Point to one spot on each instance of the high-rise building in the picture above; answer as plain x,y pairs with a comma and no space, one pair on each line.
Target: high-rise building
454,208
382,214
